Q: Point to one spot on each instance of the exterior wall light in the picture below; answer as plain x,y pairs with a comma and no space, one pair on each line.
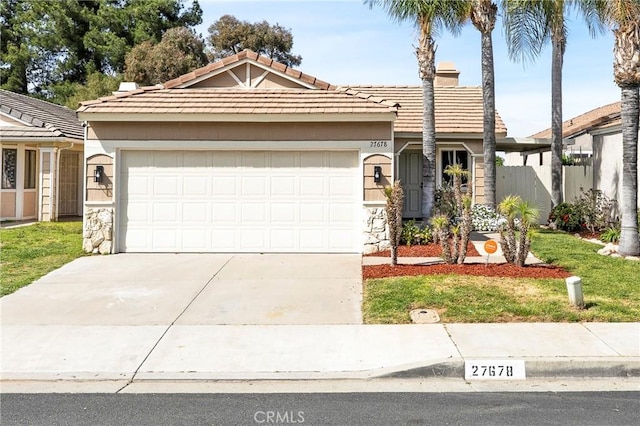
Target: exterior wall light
99,173
377,174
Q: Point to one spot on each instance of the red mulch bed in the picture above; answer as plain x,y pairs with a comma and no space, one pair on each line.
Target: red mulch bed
478,269
427,250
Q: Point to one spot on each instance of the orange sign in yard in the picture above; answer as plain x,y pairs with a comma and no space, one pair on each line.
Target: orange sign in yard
490,246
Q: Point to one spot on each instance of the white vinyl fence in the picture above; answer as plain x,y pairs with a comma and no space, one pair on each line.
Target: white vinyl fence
533,183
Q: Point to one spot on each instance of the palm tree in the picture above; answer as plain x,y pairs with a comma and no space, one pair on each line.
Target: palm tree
483,16
529,26
623,16
429,16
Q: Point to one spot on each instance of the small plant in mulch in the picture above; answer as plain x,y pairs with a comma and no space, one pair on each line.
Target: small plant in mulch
516,243
454,237
395,199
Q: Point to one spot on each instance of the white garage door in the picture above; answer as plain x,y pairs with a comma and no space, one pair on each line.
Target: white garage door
239,201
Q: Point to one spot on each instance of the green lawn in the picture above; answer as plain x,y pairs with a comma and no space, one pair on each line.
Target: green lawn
27,253
610,285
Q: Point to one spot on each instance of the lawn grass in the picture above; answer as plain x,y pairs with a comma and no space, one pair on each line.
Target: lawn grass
610,285
29,252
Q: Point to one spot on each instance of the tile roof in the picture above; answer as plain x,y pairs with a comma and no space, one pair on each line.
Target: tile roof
244,55
582,122
235,101
44,119
458,108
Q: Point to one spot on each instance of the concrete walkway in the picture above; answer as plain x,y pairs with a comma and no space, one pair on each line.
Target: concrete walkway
234,352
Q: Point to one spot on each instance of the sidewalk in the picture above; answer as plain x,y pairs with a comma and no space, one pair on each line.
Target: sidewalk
245,352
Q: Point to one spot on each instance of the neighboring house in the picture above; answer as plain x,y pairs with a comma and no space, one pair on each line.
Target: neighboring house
597,137
248,155
42,147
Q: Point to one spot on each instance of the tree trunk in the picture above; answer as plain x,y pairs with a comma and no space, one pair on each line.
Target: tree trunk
483,16
629,244
426,60
556,120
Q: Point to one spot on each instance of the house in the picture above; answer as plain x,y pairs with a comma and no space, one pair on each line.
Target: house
595,136
249,155
42,147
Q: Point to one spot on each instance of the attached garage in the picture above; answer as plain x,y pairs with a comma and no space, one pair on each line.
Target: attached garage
239,201
243,155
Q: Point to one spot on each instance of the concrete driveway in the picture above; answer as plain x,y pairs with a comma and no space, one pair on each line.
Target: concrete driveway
193,289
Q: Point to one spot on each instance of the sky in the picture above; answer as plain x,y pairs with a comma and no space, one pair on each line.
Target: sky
347,42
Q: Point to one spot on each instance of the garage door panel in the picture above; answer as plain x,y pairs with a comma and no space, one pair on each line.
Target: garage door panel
283,213
312,213
253,213
283,186
253,238
341,185
225,213
195,185
225,185
164,239
257,160
165,212
138,212
283,239
313,186
239,201
195,212
166,186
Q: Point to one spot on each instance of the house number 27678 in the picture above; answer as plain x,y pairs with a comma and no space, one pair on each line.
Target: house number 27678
378,144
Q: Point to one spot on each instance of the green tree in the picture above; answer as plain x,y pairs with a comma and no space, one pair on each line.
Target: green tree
483,16
228,36
179,52
48,46
623,16
531,24
429,16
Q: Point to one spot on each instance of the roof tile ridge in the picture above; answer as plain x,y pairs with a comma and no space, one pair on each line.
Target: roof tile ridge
377,99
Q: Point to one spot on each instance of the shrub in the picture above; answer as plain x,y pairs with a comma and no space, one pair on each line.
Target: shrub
395,198
415,234
515,250
611,234
452,228
484,218
445,203
595,209
566,217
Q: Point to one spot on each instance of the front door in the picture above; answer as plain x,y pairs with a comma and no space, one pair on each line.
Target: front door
410,172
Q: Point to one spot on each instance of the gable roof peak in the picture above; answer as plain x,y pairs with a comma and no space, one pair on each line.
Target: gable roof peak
239,58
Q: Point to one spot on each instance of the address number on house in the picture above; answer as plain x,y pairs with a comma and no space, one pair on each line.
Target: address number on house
378,144
487,369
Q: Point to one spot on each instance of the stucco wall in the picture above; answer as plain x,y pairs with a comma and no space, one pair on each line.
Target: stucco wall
335,131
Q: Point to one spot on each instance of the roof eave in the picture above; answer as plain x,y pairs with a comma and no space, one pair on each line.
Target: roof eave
389,116
36,139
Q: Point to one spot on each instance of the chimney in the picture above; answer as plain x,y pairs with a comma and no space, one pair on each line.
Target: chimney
126,86
446,74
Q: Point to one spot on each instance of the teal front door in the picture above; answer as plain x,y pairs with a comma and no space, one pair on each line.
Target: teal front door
410,173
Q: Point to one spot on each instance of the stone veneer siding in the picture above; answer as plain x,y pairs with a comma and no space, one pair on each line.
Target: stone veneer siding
376,230
98,230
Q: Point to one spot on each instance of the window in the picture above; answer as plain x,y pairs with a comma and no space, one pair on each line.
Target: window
29,169
9,157
454,157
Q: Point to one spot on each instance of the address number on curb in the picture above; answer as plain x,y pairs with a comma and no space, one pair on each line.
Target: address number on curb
490,369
